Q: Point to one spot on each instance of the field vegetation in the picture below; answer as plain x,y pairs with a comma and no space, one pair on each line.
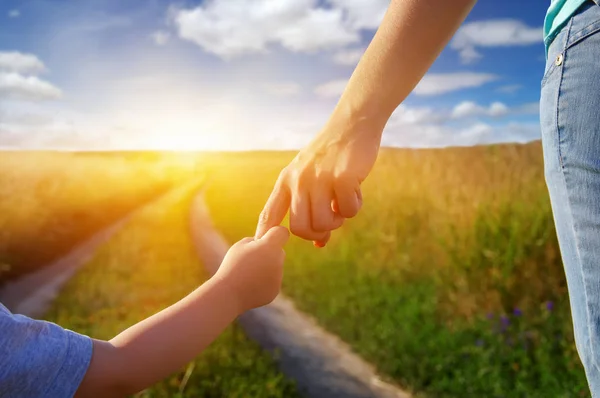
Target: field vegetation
450,279
49,201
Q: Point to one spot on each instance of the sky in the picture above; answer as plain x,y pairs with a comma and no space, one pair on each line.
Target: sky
249,74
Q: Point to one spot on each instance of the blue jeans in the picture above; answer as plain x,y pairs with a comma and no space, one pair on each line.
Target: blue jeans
570,120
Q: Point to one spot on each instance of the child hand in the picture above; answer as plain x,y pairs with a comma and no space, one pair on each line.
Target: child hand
253,269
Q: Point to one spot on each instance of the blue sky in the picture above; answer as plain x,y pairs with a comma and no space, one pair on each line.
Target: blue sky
247,74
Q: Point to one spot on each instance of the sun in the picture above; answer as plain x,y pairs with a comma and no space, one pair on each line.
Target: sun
185,135
175,141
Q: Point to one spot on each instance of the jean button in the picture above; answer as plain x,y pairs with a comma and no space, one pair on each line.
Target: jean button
558,60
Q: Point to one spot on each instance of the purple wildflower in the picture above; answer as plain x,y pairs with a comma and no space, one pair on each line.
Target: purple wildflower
549,306
517,312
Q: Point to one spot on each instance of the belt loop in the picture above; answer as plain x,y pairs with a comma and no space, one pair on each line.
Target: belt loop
568,35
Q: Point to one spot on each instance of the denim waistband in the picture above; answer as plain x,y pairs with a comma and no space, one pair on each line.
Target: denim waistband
583,23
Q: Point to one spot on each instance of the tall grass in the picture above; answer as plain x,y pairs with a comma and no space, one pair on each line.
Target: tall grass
49,201
449,280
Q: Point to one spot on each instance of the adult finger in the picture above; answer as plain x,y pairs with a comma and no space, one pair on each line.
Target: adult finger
275,209
348,197
277,236
323,217
300,219
323,241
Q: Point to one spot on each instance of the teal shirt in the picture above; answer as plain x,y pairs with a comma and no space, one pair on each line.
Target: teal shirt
557,16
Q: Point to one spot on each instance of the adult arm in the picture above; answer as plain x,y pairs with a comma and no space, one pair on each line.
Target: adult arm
321,186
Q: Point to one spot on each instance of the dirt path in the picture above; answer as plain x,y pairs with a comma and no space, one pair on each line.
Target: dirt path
322,365
32,294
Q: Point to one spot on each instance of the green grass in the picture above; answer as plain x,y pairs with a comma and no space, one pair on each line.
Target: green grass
443,279
49,201
147,266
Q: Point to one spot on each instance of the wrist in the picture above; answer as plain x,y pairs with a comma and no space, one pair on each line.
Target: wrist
227,295
349,124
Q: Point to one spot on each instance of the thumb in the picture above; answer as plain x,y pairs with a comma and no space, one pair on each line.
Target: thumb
276,236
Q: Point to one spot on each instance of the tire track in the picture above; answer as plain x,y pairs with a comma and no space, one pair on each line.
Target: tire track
322,364
33,293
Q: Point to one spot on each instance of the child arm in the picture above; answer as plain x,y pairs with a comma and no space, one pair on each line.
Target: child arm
158,346
249,277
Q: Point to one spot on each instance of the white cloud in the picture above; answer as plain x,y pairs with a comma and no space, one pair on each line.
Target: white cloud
423,127
441,83
404,115
160,37
476,133
420,116
530,108
348,57
521,132
363,14
493,33
230,28
255,127
14,13
14,61
334,88
466,109
283,89
29,125
319,29
30,88
509,88
497,109
432,136
471,109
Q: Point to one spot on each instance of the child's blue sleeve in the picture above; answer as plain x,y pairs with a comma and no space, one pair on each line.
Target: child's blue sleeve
40,359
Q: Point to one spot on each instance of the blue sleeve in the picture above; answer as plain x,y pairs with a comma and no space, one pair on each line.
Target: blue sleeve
39,358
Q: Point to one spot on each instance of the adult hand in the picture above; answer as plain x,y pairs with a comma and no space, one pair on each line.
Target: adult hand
321,186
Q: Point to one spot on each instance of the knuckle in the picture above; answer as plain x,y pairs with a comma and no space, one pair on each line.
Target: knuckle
284,175
291,172
323,174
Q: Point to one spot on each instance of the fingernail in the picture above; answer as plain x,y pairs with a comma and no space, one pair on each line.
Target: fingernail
320,245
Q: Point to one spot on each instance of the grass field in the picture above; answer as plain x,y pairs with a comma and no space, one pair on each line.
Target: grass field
147,266
49,200
450,279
